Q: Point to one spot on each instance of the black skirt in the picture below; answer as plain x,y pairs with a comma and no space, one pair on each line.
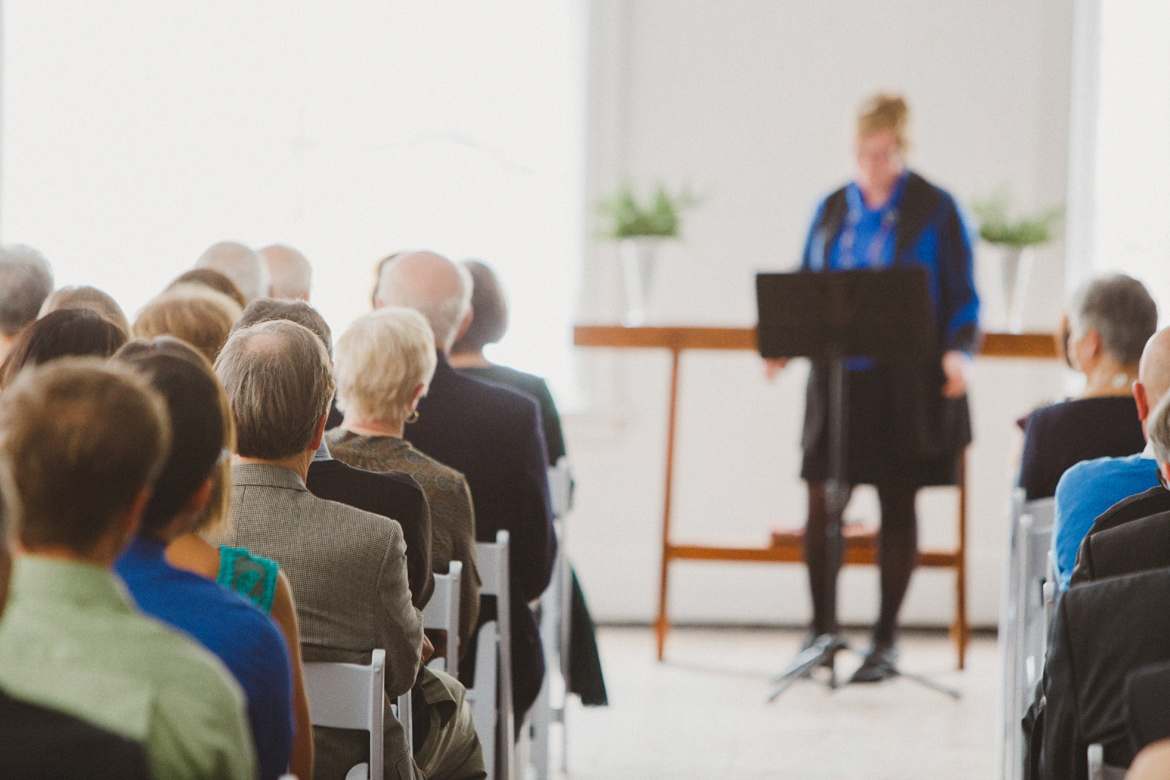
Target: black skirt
886,444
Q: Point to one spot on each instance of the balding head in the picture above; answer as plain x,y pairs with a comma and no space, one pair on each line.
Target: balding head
1153,373
290,274
431,285
240,264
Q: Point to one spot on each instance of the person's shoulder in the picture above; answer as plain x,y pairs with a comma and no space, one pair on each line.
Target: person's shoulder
497,400
177,658
362,521
1086,474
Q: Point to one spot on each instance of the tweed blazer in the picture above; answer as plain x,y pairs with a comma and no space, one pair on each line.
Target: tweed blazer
347,569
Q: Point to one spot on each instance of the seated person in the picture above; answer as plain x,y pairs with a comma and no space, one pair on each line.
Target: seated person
1091,487
227,624
1102,631
212,280
491,435
87,298
489,323
25,281
1110,321
1132,535
240,264
289,272
384,362
83,443
199,316
59,334
390,494
43,744
347,567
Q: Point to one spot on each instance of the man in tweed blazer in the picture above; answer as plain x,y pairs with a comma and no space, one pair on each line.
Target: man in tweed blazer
347,567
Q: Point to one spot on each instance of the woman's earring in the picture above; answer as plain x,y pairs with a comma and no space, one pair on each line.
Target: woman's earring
413,416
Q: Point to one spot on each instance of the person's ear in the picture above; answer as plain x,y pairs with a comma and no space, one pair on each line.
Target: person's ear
1142,400
1093,342
418,392
463,326
198,500
127,522
319,434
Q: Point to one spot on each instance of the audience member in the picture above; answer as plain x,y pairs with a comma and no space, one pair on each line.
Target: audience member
347,567
87,298
25,281
384,362
290,273
490,434
82,443
193,313
1091,487
243,637
392,494
1110,321
76,332
211,279
240,264
489,323
37,743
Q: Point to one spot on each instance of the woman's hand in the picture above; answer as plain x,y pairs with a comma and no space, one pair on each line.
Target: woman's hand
773,367
955,365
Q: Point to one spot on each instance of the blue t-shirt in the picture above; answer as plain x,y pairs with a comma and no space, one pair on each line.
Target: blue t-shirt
248,642
1083,494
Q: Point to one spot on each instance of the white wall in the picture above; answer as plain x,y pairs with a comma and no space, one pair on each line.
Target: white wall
750,103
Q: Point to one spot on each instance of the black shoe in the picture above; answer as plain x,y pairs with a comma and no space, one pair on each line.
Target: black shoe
881,663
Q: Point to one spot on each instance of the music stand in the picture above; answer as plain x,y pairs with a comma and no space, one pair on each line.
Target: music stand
830,318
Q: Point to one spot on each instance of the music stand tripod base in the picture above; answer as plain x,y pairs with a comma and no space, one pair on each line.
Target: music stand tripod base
822,652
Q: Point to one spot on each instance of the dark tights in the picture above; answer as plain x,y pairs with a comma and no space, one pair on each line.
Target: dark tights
897,556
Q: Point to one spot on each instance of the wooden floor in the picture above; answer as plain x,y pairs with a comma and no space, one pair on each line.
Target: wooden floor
702,714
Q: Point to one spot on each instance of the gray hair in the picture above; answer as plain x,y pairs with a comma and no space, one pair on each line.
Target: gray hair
290,272
1122,312
444,312
1158,430
381,358
279,383
240,264
25,282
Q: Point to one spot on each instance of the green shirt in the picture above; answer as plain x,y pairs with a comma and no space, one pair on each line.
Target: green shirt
71,639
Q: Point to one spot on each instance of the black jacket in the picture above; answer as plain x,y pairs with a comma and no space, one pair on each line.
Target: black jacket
1154,501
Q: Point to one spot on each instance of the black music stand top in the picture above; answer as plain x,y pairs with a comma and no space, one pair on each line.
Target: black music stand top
882,313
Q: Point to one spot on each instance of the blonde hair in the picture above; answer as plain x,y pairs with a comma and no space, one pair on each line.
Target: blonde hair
198,315
86,298
885,112
380,360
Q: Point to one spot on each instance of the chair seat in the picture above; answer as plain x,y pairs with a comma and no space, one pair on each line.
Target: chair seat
856,536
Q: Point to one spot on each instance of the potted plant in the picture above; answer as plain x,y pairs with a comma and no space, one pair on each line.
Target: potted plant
640,229
1014,238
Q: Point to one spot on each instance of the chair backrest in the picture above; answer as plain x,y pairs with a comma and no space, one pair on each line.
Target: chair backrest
493,660
560,487
1147,716
349,696
442,613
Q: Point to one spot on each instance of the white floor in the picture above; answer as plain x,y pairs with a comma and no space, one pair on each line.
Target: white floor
702,713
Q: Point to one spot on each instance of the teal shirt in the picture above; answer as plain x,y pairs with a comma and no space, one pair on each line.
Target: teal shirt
71,640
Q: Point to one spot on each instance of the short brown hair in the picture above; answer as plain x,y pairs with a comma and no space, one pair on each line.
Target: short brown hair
87,297
198,315
489,310
80,439
212,279
269,309
885,112
279,383
61,333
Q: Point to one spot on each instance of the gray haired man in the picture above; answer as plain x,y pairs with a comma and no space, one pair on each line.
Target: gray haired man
25,282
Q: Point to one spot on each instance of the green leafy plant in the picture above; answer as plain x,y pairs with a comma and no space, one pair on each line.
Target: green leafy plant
998,226
628,216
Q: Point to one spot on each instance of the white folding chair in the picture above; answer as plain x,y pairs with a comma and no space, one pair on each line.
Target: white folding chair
442,613
349,696
491,698
1098,769
549,707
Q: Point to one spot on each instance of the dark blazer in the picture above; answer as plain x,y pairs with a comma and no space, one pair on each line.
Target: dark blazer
492,435
1139,545
1154,501
929,233
1148,718
1103,631
37,743
390,494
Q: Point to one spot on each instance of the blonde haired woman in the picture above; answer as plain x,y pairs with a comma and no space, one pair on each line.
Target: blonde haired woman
907,424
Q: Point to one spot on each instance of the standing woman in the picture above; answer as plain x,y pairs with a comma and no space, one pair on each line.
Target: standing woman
908,424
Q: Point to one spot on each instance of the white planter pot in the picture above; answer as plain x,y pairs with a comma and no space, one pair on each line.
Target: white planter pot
639,261
1015,272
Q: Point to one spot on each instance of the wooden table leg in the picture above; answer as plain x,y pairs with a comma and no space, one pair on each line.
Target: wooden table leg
662,625
961,630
